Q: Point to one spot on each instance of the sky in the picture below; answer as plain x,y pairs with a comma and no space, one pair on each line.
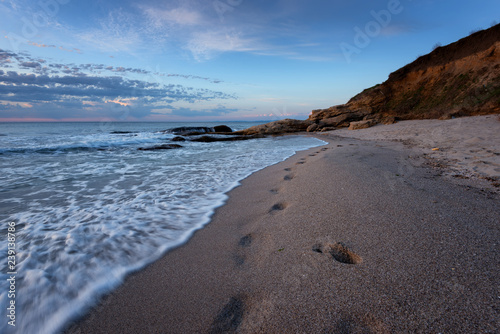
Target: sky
212,60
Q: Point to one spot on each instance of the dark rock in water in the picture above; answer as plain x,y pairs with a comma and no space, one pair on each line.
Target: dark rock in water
222,128
199,130
211,139
160,147
190,130
121,132
178,138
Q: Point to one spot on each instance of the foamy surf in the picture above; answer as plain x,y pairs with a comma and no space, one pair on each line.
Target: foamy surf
89,208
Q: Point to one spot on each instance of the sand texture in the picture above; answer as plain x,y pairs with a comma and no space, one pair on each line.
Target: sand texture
468,146
356,236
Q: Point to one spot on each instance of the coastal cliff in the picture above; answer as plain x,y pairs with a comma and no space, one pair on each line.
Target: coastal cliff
460,79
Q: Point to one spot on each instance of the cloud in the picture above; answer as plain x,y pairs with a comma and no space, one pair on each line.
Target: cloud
38,45
30,64
17,104
207,44
26,61
117,32
33,87
209,29
122,102
177,16
191,77
6,57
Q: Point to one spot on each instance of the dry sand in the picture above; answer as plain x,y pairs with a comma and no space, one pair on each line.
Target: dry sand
467,146
353,237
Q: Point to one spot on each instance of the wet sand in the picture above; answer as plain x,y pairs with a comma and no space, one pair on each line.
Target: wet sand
356,236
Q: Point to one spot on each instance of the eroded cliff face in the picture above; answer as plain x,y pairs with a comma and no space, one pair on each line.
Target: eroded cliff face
460,79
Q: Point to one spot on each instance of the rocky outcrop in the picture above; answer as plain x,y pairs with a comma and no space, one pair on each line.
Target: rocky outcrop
222,129
189,130
362,124
199,130
460,79
277,127
160,147
211,139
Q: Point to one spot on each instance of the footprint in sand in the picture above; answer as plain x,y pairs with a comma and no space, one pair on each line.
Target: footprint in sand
229,317
288,177
245,241
278,207
339,251
300,163
239,260
274,191
287,169
239,256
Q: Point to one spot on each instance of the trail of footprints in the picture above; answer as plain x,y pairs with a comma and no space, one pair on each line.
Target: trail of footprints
230,316
337,251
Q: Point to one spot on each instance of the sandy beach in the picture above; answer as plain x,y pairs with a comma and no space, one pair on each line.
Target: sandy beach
467,147
371,234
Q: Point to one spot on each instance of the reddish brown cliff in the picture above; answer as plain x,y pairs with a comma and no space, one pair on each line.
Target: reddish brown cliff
459,79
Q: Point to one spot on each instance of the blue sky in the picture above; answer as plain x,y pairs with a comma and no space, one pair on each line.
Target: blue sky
193,60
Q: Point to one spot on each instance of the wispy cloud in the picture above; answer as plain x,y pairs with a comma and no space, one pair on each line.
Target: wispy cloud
197,26
204,45
115,33
177,16
41,45
193,26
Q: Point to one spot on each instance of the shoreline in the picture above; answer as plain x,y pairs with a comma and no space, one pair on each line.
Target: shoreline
269,259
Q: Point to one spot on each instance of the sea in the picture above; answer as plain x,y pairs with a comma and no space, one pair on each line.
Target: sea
81,207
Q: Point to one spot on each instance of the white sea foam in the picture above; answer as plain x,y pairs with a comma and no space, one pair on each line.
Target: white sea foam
87,218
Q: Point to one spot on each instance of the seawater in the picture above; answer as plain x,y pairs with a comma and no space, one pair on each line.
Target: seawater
89,207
